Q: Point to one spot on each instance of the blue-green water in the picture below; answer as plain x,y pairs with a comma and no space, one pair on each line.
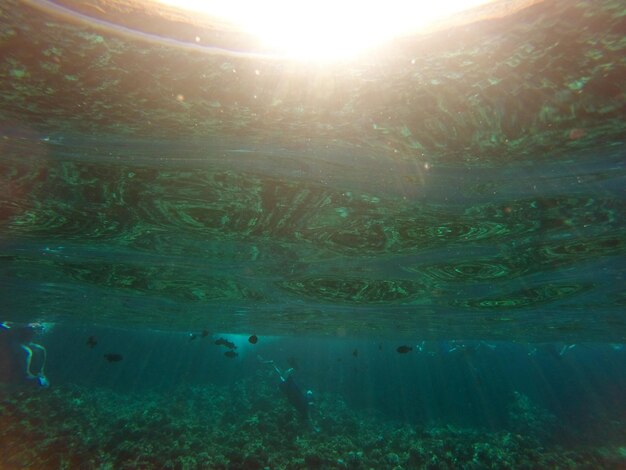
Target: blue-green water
465,382
458,195
176,401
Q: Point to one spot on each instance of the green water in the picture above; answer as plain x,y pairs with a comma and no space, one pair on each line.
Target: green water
461,192
468,183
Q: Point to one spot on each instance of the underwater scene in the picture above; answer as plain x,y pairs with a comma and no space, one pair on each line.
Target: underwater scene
219,251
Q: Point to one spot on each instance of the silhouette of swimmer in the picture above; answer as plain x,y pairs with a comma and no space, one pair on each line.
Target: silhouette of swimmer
19,354
302,402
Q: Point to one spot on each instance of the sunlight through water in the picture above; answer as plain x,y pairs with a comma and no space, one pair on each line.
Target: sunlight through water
327,29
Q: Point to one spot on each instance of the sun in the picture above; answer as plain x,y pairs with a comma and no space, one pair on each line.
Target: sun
327,29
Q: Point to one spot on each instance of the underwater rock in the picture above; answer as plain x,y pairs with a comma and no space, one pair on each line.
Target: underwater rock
393,459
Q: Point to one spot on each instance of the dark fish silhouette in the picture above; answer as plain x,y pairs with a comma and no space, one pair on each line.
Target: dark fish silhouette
253,339
231,354
91,342
293,363
223,342
192,336
111,357
404,349
204,333
355,353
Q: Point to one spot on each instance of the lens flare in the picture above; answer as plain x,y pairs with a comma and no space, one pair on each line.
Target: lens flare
327,29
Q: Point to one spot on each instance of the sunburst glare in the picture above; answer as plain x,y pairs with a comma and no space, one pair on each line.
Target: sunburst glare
327,29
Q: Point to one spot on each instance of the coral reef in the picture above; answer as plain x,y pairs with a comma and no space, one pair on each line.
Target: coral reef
248,425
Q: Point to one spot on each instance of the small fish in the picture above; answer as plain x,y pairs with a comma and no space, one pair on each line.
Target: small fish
355,353
231,354
192,336
111,357
204,333
380,346
253,339
404,349
223,342
91,342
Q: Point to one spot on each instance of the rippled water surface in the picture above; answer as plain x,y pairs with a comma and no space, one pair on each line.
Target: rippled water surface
467,183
